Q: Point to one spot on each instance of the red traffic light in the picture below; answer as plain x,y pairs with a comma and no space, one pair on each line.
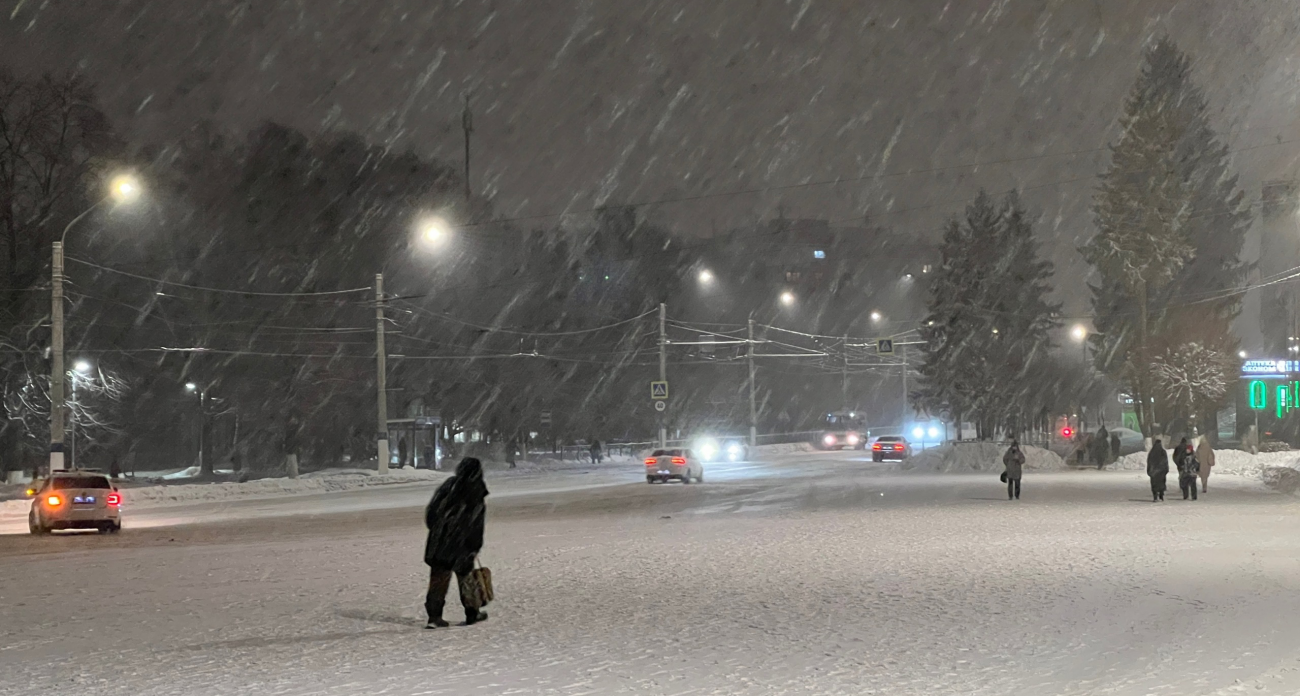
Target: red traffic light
1067,432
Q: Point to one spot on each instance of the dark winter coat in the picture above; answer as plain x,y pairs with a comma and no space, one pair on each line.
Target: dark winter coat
1157,461
1014,461
456,517
1101,447
1187,463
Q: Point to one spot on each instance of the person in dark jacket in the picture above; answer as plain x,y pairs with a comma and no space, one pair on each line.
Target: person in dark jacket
1014,461
1188,468
455,518
1157,469
1101,448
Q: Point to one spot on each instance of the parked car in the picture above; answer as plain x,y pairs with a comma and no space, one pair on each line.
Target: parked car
890,447
667,464
75,500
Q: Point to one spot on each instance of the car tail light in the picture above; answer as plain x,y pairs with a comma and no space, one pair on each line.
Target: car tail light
54,501
898,448
877,447
651,461
113,499
678,461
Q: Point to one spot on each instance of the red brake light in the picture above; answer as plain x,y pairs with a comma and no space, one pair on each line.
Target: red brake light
898,448
876,446
651,461
113,499
678,461
54,501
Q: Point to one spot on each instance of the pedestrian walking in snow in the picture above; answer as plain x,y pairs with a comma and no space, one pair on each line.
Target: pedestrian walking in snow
1157,469
1205,455
1188,468
597,452
1115,446
1014,461
455,517
1101,448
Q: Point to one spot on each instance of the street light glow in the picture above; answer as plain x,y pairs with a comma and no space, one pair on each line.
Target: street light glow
787,298
706,277
124,188
1079,332
876,316
82,366
1241,354
190,386
434,231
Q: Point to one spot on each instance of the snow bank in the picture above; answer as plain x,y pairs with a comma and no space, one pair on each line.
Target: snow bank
978,456
1231,462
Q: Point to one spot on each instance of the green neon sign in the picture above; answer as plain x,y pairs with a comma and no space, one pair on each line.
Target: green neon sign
1258,395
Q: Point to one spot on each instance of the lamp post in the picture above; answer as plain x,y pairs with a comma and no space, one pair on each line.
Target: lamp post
203,395
82,367
123,189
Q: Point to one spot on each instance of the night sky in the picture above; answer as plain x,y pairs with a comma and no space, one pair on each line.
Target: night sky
578,103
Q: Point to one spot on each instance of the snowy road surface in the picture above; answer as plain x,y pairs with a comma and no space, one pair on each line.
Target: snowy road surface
822,574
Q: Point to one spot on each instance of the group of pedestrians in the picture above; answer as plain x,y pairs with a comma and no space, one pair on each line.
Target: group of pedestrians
1191,463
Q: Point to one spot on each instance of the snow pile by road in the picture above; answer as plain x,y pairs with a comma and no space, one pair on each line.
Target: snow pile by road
1231,462
978,456
327,481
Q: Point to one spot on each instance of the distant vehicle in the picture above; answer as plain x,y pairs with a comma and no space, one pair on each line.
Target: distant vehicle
726,450
75,500
842,431
890,447
667,464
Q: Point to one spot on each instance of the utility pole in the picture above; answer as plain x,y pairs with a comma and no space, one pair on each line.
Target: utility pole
663,368
57,406
753,406
467,124
203,426
381,380
844,378
902,423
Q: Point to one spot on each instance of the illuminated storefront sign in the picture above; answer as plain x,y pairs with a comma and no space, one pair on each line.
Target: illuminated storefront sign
1254,368
1282,397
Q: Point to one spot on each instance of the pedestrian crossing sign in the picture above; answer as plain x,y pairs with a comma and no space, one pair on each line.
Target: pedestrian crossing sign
885,346
658,390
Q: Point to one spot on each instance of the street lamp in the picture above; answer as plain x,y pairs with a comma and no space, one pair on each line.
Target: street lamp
203,415
1241,354
123,188
705,277
434,231
876,317
80,368
787,298
1079,332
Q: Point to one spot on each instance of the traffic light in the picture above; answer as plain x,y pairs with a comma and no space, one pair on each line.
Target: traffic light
1067,432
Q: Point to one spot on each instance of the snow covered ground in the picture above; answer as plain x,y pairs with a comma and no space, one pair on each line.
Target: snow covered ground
823,575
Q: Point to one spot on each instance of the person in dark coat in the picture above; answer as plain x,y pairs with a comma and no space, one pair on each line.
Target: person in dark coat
1188,468
1014,461
1157,469
455,517
1101,448
1115,446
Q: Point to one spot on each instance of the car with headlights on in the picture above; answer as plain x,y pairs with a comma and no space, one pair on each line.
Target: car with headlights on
664,465
75,500
721,450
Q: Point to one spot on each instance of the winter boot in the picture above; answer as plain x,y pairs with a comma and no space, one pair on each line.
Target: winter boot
477,616
437,623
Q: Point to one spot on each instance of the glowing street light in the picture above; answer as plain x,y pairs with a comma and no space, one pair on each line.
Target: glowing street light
82,366
787,298
705,277
1241,354
124,188
876,317
434,231
1079,332
190,386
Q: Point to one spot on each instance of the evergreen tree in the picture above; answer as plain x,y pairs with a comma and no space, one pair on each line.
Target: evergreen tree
1170,223
989,318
